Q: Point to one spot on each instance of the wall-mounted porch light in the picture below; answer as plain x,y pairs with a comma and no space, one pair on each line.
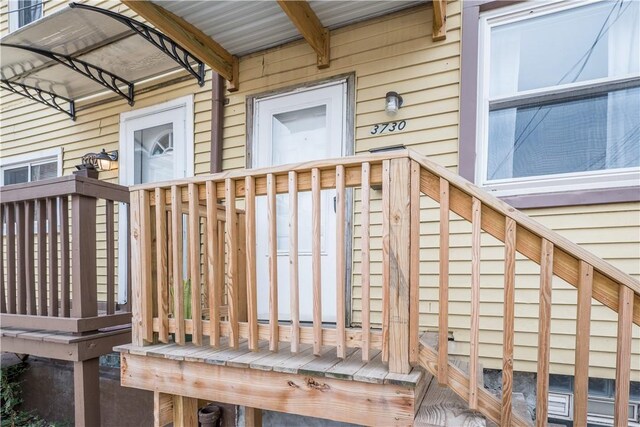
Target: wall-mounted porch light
392,103
101,161
94,162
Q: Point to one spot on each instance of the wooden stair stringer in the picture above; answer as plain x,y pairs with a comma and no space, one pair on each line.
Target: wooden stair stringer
488,404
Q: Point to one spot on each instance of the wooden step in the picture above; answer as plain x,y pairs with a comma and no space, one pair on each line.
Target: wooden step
442,407
458,381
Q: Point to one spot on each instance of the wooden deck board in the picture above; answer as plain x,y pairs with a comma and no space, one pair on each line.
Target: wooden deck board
245,360
348,367
320,365
373,372
221,357
268,354
293,364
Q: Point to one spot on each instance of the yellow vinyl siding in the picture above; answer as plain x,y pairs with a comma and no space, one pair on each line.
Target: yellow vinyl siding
388,53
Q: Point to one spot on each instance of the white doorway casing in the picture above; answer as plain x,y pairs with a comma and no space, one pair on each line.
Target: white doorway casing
156,144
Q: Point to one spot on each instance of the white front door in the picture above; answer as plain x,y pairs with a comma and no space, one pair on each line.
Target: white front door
290,128
156,144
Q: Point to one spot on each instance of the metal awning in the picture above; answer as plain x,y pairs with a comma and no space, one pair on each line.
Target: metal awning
83,51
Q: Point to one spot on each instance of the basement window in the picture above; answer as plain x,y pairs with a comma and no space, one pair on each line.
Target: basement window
600,402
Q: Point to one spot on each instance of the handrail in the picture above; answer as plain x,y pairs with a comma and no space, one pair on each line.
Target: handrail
64,186
281,170
608,274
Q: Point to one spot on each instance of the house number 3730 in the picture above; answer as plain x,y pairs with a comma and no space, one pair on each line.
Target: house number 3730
388,127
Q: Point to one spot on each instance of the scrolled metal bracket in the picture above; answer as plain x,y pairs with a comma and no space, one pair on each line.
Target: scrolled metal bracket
49,99
97,74
182,56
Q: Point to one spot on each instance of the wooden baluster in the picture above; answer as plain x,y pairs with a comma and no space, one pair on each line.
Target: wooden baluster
52,215
544,333
399,265
385,260
623,356
414,267
178,288
341,268
162,274
293,262
10,214
129,280
169,253
443,305
22,263
221,260
252,293
65,265
273,262
508,320
366,261
29,256
476,224
194,262
583,331
146,260
316,260
213,285
242,267
3,287
232,245
42,257
111,258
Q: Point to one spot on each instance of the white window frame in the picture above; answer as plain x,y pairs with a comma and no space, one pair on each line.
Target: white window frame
603,179
14,6
31,159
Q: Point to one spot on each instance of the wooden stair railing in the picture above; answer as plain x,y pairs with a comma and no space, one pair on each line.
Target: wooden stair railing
593,277
219,245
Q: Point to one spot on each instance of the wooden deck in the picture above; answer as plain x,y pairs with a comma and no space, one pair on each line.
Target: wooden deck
63,345
305,384
222,265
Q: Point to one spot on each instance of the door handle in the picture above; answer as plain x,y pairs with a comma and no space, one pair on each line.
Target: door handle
335,203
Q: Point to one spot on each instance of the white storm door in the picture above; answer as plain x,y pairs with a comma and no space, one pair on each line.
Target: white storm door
156,144
292,128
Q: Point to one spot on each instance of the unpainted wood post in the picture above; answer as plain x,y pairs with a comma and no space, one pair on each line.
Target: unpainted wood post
162,409
399,264
137,335
83,255
86,391
252,417
185,411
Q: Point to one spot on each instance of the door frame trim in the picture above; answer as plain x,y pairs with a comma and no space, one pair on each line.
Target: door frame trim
188,103
348,150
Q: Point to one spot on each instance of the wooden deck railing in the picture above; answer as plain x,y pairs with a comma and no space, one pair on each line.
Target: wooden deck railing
49,271
221,248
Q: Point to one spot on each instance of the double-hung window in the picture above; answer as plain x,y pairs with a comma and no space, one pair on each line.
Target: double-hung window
23,12
559,97
31,167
